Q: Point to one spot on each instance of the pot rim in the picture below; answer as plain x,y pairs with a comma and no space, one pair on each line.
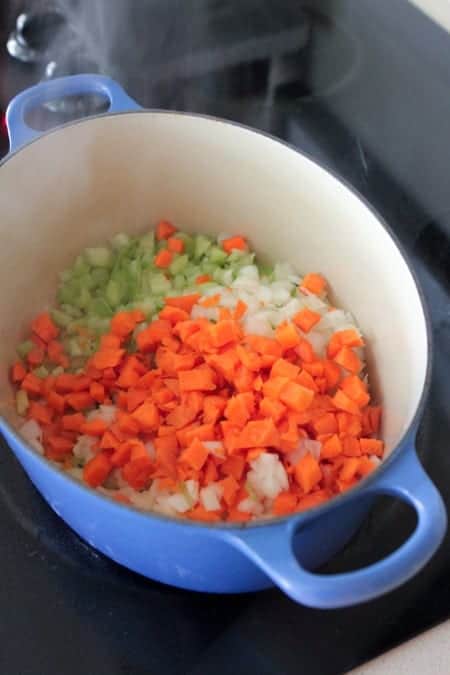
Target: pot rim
339,500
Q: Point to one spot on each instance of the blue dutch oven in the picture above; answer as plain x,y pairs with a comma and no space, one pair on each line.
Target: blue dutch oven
77,185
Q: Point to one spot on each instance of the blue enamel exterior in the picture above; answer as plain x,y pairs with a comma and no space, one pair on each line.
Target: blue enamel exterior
230,559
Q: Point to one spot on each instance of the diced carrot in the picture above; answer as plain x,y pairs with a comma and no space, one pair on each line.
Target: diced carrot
97,469
164,230
210,301
124,323
325,424
44,327
97,391
287,335
185,302
314,283
349,469
306,319
234,243
147,416
258,433
173,314
283,368
240,310
55,353
201,514
41,413
307,472
175,245
203,279
312,500
348,359
371,446
355,389
351,446
80,400
305,351
199,379
365,467
225,332
72,422
342,402
137,472
32,384
163,259
233,466
210,474
236,516
130,373
344,338
121,498
95,427
109,441
107,358
230,489
273,387
195,455
36,356
110,341
284,503
18,372
239,408
148,338
331,448
203,432
296,396
58,447
306,380
270,407
332,373
56,402
316,369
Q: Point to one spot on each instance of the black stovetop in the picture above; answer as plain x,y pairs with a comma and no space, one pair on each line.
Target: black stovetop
364,87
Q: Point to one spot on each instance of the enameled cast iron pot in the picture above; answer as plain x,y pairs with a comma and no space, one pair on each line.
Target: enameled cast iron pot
77,185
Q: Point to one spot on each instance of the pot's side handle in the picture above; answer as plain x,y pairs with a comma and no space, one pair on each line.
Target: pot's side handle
274,555
74,85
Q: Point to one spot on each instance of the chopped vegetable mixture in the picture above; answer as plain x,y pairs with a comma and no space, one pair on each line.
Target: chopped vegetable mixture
177,374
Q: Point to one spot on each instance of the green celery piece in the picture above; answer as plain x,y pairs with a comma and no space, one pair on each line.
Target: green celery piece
100,308
178,264
83,299
147,306
74,348
98,325
68,293
22,402
71,311
179,282
113,294
159,284
80,266
208,267
218,275
120,240
41,372
217,256
202,244
100,256
24,348
65,275
100,277
147,242
189,243
60,318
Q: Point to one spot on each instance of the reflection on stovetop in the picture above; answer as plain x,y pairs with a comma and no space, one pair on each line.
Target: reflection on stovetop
345,81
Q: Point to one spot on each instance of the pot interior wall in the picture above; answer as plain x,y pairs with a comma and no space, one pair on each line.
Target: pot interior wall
79,185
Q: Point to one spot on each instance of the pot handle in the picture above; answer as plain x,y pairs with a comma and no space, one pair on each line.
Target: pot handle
406,480
74,85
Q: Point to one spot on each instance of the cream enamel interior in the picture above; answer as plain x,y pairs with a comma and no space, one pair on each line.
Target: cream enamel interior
79,185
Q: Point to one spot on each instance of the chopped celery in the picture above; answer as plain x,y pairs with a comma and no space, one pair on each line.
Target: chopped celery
202,244
147,242
60,318
80,266
22,402
74,312
120,240
24,348
99,256
189,243
99,277
74,348
146,306
179,282
178,264
159,284
99,307
217,256
65,275
84,298
113,293
41,372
